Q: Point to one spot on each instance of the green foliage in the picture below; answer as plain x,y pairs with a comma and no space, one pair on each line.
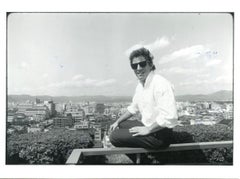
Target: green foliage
53,147
202,133
199,133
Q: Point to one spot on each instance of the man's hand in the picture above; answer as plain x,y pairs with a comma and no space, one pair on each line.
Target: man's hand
113,126
140,131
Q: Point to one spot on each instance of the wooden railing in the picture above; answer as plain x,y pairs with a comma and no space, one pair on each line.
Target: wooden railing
78,154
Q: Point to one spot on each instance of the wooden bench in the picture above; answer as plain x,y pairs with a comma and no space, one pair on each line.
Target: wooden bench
77,154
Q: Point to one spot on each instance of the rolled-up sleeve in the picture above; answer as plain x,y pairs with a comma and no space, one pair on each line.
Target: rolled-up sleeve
133,107
165,110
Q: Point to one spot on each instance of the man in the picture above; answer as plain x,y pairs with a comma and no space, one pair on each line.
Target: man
155,101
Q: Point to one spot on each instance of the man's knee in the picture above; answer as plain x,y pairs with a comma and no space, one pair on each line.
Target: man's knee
119,137
114,137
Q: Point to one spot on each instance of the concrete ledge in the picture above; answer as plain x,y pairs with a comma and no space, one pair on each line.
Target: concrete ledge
76,154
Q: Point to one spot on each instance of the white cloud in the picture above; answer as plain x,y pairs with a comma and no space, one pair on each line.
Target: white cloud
59,84
203,75
77,77
45,75
134,47
80,81
157,44
22,90
224,79
179,70
218,80
213,62
105,82
195,82
187,53
88,82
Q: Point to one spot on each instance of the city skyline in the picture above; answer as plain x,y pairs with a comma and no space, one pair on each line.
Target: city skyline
74,54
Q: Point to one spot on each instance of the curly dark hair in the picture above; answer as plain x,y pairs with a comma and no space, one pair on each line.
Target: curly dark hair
144,53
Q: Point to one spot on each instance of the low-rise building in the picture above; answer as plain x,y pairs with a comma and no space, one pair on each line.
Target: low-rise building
37,112
98,134
22,107
11,130
33,129
75,111
228,115
10,118
63,121
204,122
81,125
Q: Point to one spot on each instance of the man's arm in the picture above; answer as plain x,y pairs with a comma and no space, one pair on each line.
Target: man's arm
122,118
166,109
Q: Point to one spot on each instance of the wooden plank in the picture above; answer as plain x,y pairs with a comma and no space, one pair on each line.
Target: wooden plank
74,157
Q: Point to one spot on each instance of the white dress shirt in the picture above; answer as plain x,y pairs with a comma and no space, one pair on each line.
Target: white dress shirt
155,101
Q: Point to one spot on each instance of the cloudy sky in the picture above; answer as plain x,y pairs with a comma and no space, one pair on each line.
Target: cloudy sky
87,53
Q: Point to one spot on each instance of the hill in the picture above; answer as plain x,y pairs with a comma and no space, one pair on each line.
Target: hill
61,99
217,96
222,95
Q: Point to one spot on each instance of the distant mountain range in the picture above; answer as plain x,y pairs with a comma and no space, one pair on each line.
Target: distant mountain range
223,95
61,99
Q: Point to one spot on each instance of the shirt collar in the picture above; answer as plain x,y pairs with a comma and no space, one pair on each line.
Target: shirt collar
148,79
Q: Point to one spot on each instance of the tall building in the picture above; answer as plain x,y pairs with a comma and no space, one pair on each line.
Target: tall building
64,107
51,106
99,108
37,101
89,110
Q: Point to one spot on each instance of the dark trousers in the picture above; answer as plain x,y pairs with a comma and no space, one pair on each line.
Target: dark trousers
121,137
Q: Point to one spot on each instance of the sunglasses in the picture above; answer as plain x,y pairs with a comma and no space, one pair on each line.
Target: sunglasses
135,65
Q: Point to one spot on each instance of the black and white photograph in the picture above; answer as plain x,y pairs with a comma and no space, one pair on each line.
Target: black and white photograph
119,88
